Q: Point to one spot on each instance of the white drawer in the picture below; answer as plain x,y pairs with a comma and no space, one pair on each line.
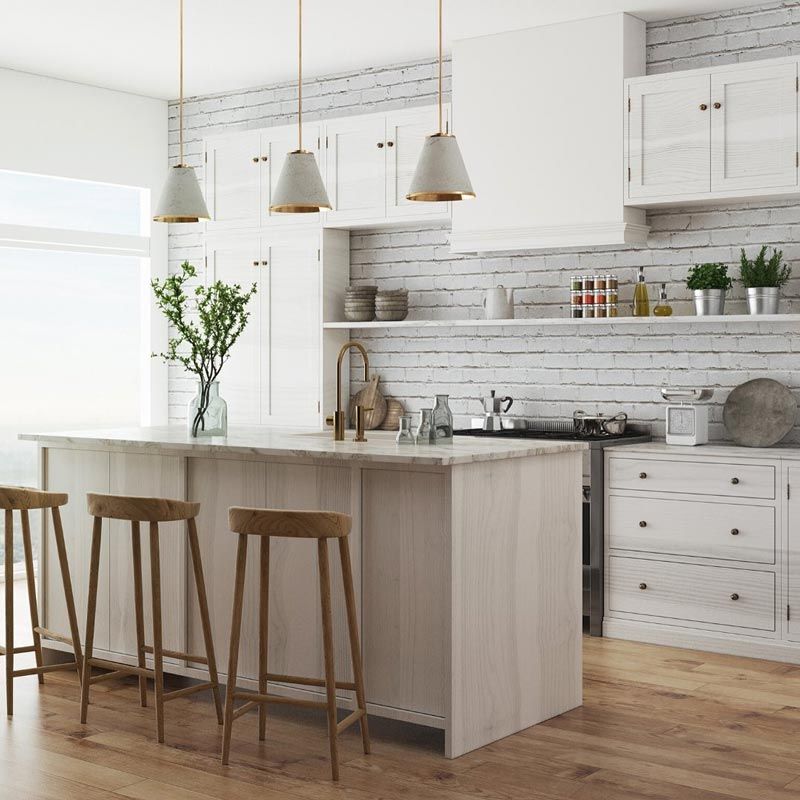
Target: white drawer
740,598
692,477
692,528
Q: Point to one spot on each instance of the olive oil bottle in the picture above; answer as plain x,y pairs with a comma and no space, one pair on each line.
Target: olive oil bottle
641,302
663,308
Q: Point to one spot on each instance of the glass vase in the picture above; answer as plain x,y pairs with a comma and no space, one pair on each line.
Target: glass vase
207,414
405,434
424,428
442,421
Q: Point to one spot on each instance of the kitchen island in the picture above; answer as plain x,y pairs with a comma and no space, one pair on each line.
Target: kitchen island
467,560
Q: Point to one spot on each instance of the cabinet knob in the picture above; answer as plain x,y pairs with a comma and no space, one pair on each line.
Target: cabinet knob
734,531
390,144
255,263
642,475
717,105
734,596
703,106
264,263
734,481
642,524
255,159
642,586
265,158
380,145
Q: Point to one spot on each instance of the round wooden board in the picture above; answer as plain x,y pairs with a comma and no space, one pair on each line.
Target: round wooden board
759,413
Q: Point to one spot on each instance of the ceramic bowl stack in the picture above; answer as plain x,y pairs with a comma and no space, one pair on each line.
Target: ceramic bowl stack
359,303
391,305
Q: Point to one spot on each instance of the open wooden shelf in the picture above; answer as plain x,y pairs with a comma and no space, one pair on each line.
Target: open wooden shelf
554,321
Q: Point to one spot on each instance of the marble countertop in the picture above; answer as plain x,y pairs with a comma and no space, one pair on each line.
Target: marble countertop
302,443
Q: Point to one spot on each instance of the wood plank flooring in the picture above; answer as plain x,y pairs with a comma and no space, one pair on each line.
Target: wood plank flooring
658,723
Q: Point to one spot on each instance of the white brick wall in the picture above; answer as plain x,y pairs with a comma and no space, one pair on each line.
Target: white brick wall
552,371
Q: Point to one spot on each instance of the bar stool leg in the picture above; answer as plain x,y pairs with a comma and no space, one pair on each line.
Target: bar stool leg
66,581
263,636
327,637
9,576
30,580
202,600
138,604
355,649
91,610
158,657
233,657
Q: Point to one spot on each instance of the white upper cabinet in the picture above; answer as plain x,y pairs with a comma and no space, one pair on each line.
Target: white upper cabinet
234,180
405,134
669,133
356,168
754,128
713,134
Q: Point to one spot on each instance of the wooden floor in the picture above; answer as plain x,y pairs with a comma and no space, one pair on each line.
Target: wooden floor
657,723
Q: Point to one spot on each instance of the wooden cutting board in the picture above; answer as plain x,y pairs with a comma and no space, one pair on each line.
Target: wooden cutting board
370,397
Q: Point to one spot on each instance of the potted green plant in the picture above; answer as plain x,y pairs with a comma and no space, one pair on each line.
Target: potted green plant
709,282
763,278
206,322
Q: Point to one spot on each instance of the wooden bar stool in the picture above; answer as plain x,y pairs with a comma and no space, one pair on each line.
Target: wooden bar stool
16,498
319,525
137,510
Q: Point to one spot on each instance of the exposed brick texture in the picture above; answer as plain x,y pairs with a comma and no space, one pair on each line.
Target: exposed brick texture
552,370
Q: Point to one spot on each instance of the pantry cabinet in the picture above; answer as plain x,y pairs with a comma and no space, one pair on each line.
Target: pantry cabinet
275,374
721,133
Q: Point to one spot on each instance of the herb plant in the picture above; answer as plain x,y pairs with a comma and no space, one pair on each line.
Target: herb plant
709,276
207,324
763,272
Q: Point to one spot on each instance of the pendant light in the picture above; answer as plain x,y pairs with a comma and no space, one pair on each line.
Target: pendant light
181,199
300,189
440,174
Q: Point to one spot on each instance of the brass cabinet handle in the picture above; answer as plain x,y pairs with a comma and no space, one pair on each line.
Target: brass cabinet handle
717,105
642,475
734,531
390,144
380,145
642,524
734,596
734,481
703,107
255,159
642,586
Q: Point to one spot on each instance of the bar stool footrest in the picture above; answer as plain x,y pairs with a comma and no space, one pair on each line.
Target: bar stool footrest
195,659
349,720
21,673
27,648
48,634
300,681
108,676
125,669
199,687
254,697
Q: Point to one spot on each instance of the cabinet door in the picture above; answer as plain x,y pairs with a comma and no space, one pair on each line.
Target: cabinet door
275,144
670,130
356,169
242,376
405,135
754,128
793,553
292,332
233,180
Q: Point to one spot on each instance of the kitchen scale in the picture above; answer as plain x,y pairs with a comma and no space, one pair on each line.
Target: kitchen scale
687,424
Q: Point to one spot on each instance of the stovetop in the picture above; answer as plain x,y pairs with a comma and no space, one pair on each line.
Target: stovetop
630,436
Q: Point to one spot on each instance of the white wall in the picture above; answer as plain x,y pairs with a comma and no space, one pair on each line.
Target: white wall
54,127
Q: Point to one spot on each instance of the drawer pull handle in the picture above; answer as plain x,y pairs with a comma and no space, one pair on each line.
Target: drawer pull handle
642,475
642,524
717,105
255,159
734,596
734,481
734,531
704,106
642,586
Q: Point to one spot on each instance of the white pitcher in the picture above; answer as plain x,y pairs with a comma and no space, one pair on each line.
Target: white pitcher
499,303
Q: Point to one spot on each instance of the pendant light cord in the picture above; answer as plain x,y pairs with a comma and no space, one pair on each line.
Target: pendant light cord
180,101
440,67
299,74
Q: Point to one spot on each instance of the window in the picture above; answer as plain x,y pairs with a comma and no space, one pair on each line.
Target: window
70,313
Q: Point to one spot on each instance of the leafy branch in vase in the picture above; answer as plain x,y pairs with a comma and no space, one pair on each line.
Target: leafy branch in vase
206,323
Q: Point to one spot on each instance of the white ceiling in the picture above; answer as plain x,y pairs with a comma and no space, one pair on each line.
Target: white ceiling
131,45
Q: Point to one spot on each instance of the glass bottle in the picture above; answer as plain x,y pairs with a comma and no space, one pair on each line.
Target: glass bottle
663,308
442,423
424,428
405,434
207,413
641,302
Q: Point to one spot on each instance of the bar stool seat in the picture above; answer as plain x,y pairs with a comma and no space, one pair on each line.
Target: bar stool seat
23,500
319,525
152,510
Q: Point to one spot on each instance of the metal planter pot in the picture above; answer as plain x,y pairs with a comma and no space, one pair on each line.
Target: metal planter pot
763,300
709,302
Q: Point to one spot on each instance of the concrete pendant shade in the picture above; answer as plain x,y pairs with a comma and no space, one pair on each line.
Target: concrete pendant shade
440,174
300,189
181,199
